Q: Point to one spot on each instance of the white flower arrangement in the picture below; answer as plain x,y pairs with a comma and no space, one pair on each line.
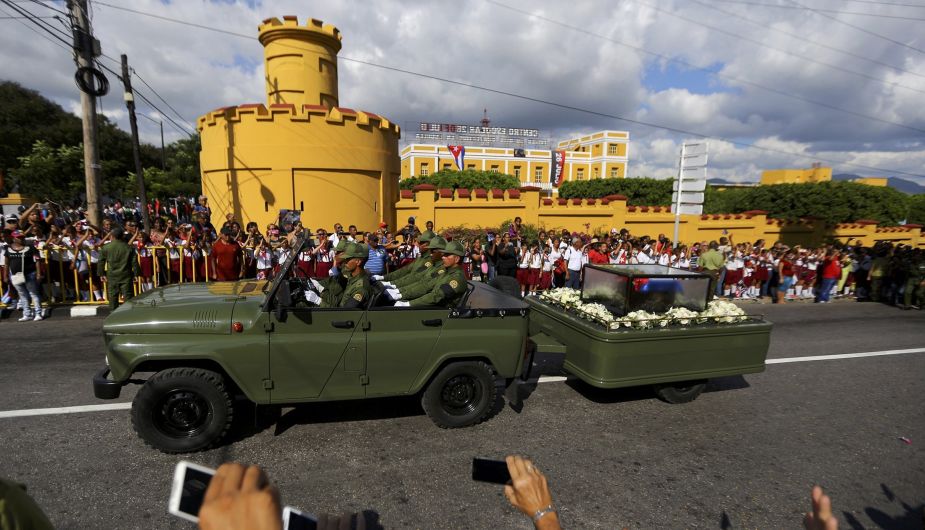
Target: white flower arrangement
718,311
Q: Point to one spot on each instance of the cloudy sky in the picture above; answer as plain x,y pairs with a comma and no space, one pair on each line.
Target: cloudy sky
801,80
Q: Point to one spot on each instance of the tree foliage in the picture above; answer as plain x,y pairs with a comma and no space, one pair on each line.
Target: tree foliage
39,142
466,179
834,202
638,191
49,171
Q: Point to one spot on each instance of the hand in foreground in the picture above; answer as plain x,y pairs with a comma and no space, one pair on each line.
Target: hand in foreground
821,517
240,497
529,493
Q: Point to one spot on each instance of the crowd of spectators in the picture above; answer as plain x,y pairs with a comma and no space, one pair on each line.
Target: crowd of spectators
183,245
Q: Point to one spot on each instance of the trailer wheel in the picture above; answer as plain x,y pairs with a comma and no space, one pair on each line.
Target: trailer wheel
461,395
680,392
182,410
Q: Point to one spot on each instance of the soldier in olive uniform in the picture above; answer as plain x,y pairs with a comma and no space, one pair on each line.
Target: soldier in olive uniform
356,291
915,280
332,287
449,287
434,261
417,265
117,267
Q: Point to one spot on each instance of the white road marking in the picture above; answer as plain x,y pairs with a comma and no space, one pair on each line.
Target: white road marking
543,379
553,379
842,356
64,410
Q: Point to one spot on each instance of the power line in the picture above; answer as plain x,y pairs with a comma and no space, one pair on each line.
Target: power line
145,83
835,11
12,18
146,100
38,23
885,3
707,70
802,38
763,45
547,102
36,31
859,28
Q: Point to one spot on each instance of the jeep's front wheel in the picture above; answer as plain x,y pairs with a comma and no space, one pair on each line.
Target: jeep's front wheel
181,410
462,394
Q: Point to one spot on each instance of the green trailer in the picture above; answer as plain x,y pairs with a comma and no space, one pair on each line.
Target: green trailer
676,359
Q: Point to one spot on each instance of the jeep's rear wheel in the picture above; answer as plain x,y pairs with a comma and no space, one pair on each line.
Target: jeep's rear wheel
462,394
181,410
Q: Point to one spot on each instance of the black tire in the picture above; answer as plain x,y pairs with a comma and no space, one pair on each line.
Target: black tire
507,285
461,395
681,391
182,410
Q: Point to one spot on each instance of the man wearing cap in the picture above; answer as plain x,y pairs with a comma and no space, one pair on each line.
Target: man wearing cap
449,287
121,270
415,266
433,262
356,291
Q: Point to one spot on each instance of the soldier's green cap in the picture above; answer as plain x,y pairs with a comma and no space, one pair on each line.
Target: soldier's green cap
341,245
455,248
437,243
355,250
426,236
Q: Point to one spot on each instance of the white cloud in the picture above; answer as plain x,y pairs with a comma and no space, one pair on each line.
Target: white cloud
484,44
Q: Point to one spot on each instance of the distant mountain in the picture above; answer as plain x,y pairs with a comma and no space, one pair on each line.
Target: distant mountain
722,182
900,184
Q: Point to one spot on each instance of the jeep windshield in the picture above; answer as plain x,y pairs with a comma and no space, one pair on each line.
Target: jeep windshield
298,245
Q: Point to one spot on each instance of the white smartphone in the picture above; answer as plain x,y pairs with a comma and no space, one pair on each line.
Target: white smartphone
297,520
190,482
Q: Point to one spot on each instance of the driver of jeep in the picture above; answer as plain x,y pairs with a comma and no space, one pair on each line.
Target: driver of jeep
356,292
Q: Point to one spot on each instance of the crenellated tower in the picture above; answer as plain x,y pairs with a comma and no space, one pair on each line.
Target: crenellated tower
300,150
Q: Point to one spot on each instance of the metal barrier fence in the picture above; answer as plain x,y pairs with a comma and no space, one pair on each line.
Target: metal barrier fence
70,276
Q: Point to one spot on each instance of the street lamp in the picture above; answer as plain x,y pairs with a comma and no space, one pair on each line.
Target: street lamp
163,152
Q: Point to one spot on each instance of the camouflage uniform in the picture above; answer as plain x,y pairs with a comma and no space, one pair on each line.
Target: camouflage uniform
915,281
437,244
356,290
449,287
415,266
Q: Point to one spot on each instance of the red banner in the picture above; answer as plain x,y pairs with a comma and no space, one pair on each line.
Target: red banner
557,168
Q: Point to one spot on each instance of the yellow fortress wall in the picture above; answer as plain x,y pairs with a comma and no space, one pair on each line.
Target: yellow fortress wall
300,151
490,208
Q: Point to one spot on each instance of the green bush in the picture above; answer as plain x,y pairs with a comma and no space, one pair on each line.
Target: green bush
834,202
466,179
638,191
916,209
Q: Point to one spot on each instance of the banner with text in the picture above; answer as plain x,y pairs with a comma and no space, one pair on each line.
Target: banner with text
557,168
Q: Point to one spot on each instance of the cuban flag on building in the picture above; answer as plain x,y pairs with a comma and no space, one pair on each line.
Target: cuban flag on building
458,152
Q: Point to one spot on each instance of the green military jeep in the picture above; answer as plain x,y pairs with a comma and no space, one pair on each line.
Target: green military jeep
208,343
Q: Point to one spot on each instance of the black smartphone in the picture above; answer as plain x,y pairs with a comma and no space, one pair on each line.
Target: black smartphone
493,471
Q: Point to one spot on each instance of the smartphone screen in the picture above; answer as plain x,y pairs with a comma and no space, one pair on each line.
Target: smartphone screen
493,471
190,482
295,520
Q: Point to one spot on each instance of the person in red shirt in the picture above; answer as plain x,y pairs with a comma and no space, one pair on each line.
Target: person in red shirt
597,254
227,257
831,273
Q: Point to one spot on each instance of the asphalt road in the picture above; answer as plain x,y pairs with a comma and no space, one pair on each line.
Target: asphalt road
743,455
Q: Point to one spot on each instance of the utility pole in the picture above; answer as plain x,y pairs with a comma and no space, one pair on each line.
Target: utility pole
139,171
163,151
83,46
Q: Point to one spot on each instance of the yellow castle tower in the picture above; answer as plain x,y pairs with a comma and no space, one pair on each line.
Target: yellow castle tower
300,150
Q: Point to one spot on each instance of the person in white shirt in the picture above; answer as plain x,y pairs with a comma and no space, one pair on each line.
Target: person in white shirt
575,260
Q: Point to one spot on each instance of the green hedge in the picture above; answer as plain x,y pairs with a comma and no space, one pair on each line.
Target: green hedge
466,179
835,202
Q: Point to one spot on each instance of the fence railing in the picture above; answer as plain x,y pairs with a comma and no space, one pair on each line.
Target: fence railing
69,276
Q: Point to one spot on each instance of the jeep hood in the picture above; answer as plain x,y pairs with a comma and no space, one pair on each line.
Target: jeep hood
195,308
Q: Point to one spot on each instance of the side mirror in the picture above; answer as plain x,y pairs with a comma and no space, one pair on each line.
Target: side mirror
283,300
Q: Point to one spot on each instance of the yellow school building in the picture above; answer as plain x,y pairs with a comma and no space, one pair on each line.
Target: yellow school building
602,154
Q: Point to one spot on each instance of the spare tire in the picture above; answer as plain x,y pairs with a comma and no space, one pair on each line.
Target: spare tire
507,285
